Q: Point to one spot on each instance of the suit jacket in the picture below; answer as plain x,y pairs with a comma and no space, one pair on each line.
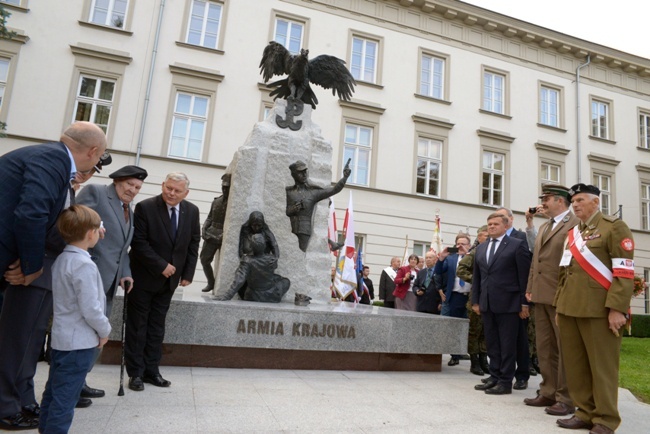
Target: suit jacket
386,287
446,273
153,247
545,268
35,182
500,286
111,253
431,299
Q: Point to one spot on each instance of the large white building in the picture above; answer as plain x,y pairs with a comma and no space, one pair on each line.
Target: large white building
458,109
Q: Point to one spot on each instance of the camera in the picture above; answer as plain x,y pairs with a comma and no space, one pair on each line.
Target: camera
452,250
532,210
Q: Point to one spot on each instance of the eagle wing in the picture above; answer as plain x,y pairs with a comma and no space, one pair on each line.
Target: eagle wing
276,60
330,72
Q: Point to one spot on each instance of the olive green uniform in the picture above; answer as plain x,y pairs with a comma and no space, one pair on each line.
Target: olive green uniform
590,350
475,338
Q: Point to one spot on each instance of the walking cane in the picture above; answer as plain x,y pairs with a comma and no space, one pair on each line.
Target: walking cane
127,286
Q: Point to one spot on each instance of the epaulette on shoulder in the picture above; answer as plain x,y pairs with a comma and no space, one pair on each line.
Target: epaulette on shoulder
610,218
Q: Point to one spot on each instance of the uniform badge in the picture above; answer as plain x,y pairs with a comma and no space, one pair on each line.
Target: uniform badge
627,244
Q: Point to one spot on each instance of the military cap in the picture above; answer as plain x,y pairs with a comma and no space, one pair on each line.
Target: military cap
583,188
481,229
554,190
130,172
225,179
104,160
298,166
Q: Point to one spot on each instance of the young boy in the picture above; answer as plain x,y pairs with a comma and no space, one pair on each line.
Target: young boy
80,326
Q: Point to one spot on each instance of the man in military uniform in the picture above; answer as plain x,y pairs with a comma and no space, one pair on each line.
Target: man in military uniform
212,232
593,296
542,284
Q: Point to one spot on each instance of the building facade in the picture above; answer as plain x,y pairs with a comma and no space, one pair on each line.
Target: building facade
457,109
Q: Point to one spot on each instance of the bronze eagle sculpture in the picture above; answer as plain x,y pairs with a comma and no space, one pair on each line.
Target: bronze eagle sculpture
326,71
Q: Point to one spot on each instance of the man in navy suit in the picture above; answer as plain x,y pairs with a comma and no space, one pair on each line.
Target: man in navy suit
36,181
500,278
164,252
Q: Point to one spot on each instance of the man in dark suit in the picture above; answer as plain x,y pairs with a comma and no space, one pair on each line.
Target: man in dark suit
36,181
164,253
387,282
498,294
426,288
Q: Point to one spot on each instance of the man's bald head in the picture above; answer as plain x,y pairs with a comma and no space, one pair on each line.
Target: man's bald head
87,143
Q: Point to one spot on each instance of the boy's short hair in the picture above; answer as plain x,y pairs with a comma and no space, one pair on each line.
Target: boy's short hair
76,221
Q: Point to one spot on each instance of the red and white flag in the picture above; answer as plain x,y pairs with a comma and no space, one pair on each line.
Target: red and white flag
345,280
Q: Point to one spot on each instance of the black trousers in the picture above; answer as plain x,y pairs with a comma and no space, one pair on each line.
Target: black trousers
501,331
26,311
523,352
145,330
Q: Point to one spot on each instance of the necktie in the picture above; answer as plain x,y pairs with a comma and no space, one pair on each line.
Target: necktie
126,212
174,224
461,282
428,279
493,249
549,228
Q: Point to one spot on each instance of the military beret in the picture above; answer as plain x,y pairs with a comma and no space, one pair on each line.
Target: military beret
554,190
225,179
130,172
481,229
104,160
583,188
298,166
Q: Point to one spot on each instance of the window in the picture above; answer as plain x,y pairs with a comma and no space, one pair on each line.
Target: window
432,76
549,106
358,144
421,248
4,73
94,100
204,24
110,13
550,173
188,126
645,206
600,118
429,166
493,172
364,59
289,34
603,182
11,2
644,130
494,92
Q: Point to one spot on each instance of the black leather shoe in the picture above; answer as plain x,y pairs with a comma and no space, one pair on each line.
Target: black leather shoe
136,384
499,389
208,288
532,371
520,385
490,383
490,378
83,403
453,362
157,380
32,410
18,422
89,392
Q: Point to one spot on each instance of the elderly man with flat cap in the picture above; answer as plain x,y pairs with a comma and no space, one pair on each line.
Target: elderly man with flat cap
542,285
592,299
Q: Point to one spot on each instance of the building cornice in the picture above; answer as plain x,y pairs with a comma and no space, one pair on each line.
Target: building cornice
362,105
196,71
101,52
600,158
494,134
432,120
551,147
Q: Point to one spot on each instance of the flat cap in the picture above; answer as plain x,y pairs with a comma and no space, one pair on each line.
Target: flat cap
554,190
104,160
130,172
298,166
225,179
583,188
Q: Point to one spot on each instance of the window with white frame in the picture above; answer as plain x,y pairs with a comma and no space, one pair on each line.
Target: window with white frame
188,126
421,248
645,206
600,119
4,73
203,27
432,76
289,33
94,100
494,92
492,179
604,184
363,65
550,173
110,13
11,2
644,130
429,166
549,106
358,147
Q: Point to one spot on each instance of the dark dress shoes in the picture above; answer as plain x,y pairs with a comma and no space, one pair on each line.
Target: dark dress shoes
157,380
453,362
207,288
573,423
560,409
520,385
18,422
89,392
83,403
499,389
539,401
32,410
600,429
490,383
136,384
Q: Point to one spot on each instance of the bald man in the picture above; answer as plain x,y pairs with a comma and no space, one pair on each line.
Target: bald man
35,184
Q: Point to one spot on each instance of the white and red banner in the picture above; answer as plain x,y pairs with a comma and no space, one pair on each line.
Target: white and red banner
345,280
